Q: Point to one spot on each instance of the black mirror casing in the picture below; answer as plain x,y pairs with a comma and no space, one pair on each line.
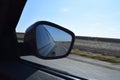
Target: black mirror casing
32,39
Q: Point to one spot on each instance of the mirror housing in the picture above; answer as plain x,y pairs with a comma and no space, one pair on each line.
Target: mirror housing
48,40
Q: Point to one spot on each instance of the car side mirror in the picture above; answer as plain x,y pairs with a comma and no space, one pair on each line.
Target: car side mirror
48,40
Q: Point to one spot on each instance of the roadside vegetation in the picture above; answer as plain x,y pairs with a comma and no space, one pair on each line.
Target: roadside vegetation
112,59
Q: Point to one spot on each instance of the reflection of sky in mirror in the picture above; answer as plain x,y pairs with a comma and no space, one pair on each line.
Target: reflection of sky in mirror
57,34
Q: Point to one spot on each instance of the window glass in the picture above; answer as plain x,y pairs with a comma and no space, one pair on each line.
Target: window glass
99,20
96,18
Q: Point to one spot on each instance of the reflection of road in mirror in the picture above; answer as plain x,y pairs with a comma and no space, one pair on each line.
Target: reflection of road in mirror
58,50
45,50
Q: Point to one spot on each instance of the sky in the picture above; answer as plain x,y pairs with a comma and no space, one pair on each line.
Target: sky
94,18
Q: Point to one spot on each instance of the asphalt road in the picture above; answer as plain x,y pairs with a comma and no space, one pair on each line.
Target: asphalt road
78,68
53,50
58,49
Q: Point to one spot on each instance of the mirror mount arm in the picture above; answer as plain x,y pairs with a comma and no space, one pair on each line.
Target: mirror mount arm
24,49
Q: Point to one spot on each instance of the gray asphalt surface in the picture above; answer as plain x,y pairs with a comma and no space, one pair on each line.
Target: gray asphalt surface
60,49
79,68
57,50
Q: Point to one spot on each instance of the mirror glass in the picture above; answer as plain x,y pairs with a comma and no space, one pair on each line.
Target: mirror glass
51,41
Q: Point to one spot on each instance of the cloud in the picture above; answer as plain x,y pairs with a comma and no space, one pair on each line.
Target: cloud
65,9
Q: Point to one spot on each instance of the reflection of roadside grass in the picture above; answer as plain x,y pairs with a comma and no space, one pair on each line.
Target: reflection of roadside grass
96,56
